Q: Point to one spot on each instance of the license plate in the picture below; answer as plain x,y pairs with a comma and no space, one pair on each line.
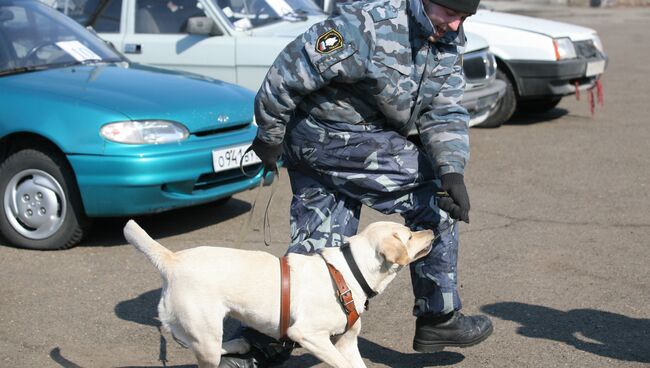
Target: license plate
229,158
595,68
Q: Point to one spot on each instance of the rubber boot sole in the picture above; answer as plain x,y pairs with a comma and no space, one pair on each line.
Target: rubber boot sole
434,347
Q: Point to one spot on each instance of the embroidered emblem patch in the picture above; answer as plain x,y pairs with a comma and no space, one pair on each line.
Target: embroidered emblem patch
328,42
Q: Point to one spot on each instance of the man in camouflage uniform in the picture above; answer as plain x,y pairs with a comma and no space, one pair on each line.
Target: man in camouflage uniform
339,103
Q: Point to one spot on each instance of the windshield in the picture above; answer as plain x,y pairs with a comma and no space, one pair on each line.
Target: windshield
248,14
34,36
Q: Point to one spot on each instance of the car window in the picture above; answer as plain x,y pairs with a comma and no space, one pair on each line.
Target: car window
35,36
247,14
103,15
108,20
165,16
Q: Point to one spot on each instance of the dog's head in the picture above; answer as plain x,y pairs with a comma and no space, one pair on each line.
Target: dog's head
396,243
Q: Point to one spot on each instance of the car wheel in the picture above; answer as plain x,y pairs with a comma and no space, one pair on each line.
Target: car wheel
40,206
505,106
538,106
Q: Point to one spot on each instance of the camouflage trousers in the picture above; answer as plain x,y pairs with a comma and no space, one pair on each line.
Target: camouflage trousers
334,168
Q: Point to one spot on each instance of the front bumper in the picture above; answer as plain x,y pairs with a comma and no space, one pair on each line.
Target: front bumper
177,176
540,79
479,102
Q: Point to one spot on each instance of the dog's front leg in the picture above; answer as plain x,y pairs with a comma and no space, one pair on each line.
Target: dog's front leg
347,345
321,346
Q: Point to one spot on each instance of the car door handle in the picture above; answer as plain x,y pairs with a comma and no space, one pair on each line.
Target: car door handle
132,48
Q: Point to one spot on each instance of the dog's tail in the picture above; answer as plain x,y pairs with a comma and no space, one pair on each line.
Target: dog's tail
157,254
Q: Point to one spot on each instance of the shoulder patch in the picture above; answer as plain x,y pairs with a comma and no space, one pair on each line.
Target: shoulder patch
328,42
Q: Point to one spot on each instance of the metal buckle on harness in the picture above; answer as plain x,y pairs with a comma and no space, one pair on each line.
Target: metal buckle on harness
342,301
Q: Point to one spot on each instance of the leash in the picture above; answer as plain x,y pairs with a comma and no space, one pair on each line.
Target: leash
266,223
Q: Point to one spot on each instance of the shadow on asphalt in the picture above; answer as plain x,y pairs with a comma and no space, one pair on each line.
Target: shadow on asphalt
520,118
143,310
58,358
107,232
395,359
383,355
594,331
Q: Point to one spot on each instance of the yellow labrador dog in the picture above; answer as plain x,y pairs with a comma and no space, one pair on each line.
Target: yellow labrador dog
202,285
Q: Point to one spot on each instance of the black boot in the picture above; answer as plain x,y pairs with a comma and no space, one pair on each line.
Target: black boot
265,352
435,333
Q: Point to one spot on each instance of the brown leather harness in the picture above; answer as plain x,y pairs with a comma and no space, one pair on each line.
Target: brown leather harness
285,294
343,292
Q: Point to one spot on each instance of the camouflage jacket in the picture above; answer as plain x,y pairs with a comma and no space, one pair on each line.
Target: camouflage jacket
371,63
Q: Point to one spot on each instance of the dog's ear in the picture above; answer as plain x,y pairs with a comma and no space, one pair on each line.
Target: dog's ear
395,250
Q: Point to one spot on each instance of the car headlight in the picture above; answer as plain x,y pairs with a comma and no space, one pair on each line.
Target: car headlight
144,132
598,43
479,67
564,48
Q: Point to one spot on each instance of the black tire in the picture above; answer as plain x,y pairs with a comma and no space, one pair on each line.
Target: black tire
539,106
41,186
504,108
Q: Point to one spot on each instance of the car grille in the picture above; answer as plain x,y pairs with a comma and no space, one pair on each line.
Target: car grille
209,132
586,49
211,180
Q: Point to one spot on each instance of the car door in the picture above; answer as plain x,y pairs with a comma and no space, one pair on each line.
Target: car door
156,33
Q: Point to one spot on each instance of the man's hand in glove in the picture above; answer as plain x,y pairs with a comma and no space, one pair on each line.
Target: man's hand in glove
268,153
454,199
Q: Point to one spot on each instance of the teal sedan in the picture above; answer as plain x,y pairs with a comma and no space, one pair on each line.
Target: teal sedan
84,133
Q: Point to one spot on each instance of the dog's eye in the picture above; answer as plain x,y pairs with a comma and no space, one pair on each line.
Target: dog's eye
410,236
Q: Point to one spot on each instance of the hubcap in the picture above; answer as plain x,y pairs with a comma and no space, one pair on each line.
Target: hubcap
35,204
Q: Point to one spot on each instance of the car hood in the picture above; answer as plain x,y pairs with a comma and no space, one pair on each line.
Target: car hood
474,42
142,92
543,26
287,29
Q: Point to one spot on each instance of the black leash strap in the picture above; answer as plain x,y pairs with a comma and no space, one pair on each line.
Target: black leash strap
266,222
356,272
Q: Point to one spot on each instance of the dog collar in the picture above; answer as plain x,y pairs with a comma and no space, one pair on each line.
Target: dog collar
356,272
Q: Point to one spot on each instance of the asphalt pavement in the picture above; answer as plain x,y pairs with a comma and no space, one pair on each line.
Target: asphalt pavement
557,252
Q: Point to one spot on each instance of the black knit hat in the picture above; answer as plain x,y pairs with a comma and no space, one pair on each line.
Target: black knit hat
465,6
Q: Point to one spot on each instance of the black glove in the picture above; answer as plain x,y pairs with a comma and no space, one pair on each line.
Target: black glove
454,200
268,153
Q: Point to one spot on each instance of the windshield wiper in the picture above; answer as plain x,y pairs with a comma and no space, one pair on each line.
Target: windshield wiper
23,69
26,69
83,62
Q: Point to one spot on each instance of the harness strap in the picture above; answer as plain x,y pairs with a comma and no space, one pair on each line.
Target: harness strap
344,295
285,294
356,272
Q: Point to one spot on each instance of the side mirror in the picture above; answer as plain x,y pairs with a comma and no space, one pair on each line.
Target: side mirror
202,26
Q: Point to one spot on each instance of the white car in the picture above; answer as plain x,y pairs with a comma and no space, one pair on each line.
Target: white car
540,60
238,40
